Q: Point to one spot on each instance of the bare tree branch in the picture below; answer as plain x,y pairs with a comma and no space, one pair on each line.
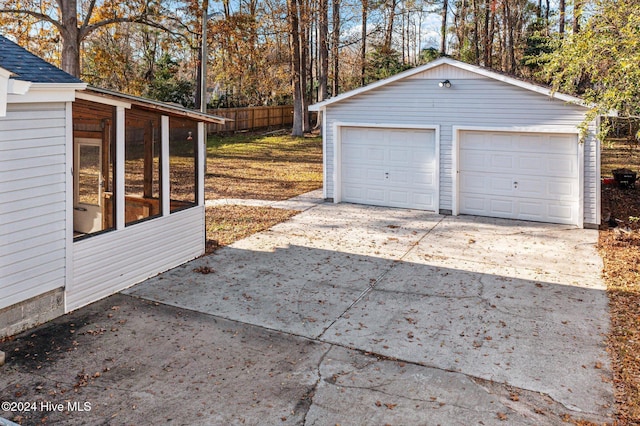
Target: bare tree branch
86,30
92,5
40,16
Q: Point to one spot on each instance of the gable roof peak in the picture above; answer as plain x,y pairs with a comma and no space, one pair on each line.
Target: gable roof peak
444,60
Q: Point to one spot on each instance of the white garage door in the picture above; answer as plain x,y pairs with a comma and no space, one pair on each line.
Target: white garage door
389,167
528,176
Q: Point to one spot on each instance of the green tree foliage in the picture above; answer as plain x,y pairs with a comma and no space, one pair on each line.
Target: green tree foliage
539,45
428,55
167,86
382,63
601,63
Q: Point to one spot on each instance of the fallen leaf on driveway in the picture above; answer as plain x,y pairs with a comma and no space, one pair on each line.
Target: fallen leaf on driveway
204,270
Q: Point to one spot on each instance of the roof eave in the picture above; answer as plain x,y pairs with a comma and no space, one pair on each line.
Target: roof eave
157,105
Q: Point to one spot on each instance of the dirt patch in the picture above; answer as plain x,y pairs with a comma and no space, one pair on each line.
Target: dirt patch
619,246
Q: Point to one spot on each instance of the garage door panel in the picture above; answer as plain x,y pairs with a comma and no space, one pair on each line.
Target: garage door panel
398,197
475,183
375,195
354,174
499,161
375,156
561,190
398,177
389,167
563,166
531,164
562,212
399,156
424,180
474,160
354,192
561,144
424,200
519,175
353,151
422,159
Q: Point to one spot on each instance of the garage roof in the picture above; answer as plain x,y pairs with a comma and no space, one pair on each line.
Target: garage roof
480,71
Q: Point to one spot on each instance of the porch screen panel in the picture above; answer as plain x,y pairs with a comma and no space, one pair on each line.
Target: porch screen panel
183,152
142,166
93,168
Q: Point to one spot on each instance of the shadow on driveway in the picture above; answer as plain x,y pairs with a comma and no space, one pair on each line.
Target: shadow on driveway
344,314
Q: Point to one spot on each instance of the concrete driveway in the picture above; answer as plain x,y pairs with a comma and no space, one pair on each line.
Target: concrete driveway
456,320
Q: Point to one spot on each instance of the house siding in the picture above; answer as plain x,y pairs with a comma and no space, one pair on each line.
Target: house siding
33,201
480,102
107,263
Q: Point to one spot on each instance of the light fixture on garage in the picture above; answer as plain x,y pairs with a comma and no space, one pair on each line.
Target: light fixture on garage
445,83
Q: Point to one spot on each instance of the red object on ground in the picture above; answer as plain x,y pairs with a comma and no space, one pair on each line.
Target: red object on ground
608,181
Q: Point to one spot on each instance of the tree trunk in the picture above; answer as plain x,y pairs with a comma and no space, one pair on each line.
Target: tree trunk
70,37
492,32
511,55
323,46
388,37
577,13
539,9
443,28
562,10
336,47
476,35
363,52
485,34
294,43
201,89
547,11
305,74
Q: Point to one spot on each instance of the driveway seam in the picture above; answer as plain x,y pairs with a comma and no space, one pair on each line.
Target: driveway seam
371,286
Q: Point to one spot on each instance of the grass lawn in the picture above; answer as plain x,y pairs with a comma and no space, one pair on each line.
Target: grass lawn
620,249
274,167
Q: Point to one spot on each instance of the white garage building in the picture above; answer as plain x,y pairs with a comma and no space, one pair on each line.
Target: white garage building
455,138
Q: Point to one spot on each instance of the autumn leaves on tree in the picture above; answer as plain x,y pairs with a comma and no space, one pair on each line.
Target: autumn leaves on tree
268,52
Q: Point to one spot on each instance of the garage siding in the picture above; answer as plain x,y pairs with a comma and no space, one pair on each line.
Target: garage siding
480,102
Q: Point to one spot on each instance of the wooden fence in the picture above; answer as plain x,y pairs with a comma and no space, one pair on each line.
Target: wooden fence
252,118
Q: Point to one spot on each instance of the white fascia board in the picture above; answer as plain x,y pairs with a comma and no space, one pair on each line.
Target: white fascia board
19,87
515,82
102,100
4,89
48,92
462,65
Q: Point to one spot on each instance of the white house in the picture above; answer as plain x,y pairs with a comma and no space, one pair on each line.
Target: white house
98,190
455,138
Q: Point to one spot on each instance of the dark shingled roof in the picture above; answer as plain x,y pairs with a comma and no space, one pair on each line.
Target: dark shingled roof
28,67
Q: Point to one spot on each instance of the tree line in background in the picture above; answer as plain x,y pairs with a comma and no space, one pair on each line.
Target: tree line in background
270,52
